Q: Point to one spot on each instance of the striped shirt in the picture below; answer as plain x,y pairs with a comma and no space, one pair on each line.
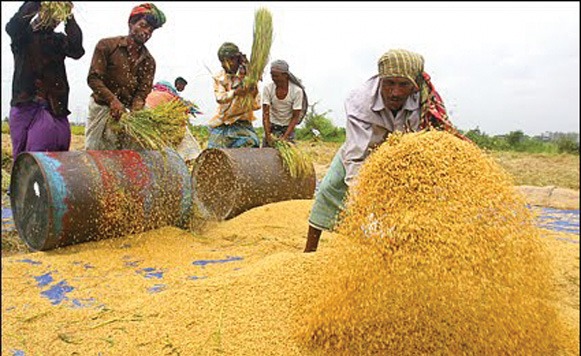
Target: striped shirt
230,109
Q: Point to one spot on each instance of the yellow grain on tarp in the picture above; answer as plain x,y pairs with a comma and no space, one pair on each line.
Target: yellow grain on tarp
242,301
564,249
445,258
223,306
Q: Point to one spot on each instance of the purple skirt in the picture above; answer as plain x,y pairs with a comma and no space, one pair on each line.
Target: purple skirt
34,128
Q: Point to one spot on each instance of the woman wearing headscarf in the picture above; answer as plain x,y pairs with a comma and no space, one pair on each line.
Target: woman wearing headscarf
121,76
400,98
284,104
231,127
164,92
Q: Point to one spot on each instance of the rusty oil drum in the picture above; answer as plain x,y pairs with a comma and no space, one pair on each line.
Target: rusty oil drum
229,181
64,198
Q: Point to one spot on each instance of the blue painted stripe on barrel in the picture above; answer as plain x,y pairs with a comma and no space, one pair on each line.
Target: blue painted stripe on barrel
58,190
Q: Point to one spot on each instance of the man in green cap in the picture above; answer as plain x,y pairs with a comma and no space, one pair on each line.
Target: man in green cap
399,98
231,127
121,76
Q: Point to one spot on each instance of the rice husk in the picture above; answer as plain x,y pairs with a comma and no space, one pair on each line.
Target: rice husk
444,258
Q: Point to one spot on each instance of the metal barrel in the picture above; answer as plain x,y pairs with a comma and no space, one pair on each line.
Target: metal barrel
65,198
229,181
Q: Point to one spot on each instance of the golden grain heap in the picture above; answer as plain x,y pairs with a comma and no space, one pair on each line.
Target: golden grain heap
444,257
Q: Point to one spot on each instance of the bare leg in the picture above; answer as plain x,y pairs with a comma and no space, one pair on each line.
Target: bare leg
313,236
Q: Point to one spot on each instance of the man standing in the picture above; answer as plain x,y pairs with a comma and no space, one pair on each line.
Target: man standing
400,98
121,76
231,127
39,111
284,104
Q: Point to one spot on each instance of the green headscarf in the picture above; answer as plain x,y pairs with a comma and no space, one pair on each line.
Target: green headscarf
227,50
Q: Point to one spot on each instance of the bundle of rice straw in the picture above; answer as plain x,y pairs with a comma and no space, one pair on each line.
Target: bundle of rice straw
298,164
54,11
261,43
158,127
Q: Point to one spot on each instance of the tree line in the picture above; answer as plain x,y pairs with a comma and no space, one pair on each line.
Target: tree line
319,127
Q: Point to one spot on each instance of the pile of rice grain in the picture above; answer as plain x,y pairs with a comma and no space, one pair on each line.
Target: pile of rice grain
444,258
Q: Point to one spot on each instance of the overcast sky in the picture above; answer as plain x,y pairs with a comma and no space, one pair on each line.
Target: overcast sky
499,66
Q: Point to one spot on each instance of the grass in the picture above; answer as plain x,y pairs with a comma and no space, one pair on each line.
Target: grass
536,169
559,170
78,130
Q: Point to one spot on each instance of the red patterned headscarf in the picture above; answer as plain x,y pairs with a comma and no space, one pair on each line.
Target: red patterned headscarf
433,112
154,16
